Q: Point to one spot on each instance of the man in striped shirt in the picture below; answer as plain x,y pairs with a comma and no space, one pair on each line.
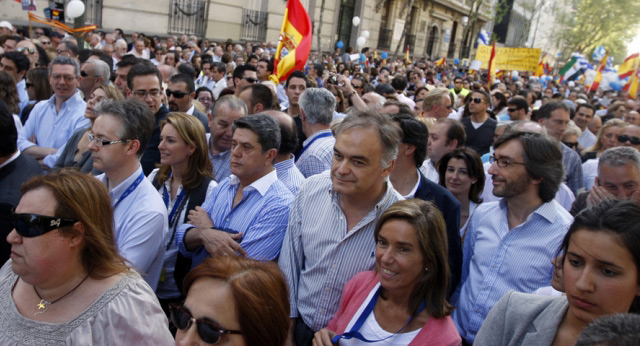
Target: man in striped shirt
330,234
510,243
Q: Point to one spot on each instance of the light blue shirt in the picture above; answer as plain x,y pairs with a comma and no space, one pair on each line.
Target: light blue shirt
140,226
221,163
496,259
317,156
289,175
320,254
23,94
261,216
53,129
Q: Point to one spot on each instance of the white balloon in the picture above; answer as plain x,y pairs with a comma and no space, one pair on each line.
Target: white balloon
365,34
361,41
356,21
75,9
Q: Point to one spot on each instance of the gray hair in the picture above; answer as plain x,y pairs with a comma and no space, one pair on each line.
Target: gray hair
434,97
234,103
120,43
618,329
619,156
318,105
389,133
572,129
264,126
100,69
65,60
136,118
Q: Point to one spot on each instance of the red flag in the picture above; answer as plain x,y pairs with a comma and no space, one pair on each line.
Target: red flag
628,66
295,37
492,65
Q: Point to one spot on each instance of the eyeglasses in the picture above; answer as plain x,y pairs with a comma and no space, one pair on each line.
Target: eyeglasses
60,51
512,109
209,331
29,50
502,162
28,85
143,93
477,100
176,94
66,77
33,225
572,145
251,80
45,42
84,74
357,86
624,139
101,142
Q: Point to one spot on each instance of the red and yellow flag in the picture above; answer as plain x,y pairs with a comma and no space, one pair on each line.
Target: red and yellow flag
407,59
541,66
295,38
440,62
492,64
596,82
627,67
632,85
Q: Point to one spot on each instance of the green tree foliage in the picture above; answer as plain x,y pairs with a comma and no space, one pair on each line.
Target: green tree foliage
593,23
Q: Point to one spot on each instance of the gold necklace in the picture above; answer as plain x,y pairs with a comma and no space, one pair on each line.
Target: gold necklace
43,305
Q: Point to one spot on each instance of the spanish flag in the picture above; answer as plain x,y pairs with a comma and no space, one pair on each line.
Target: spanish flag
295,38
406,56
440,62
596,82
627,67
492,64
632,85
541,66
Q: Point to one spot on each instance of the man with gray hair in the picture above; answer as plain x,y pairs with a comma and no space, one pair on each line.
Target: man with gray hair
437,103
330,232
117,140
316,108
93,72
618,178
53,121
248,212
225,111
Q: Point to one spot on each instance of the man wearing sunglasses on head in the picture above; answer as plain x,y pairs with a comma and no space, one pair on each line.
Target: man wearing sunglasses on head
180,94
244,75
479,127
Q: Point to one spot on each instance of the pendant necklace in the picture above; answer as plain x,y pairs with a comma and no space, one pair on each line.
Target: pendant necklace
43,305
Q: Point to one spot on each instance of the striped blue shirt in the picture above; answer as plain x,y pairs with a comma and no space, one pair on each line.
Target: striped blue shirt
289,174
261,216
319,254
221,165
317,156
496,259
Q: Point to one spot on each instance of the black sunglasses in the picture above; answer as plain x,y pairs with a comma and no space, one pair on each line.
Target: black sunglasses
28,85
33,225
209,331
251,80
176,94
477,100
624,139
572,145
512,109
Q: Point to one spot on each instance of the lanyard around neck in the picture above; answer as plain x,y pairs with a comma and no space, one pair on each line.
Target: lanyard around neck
129,190
322,135
355,333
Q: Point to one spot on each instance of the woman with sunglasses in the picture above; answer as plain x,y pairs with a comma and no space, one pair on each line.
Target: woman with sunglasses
233,301
606,138
184,180
600,270
38,89
65,282
402,302
76,152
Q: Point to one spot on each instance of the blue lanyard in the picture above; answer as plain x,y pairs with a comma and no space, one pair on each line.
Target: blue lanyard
176,205
322,135
130,189
354,333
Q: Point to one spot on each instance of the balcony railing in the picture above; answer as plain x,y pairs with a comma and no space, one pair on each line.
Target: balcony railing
254,25
188,17
384,40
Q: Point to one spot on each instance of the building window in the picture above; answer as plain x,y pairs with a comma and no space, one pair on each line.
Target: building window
188,17
254,25
347,9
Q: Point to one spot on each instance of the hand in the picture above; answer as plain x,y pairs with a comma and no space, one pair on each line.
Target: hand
221,243
635,197
557,282
345,85
323,337
200,218
598,194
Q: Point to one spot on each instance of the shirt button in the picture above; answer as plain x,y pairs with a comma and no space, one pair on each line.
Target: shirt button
227,219
341,217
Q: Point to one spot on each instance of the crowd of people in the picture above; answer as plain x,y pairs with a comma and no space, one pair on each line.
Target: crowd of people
167,191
